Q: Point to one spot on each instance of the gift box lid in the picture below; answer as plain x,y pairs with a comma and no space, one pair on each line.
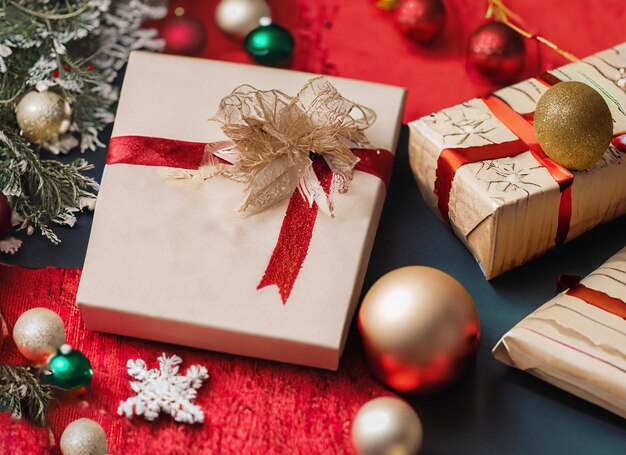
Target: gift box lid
170,259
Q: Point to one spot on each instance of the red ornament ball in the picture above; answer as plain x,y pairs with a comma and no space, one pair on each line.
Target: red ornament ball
5,215
184,35
421,20
497,52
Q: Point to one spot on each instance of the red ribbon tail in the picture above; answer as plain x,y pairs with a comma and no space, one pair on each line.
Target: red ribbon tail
292,246
295,237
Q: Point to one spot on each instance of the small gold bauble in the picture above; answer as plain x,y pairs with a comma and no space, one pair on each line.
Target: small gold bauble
573,125
83,437
387,426
419,327
43,116
38,333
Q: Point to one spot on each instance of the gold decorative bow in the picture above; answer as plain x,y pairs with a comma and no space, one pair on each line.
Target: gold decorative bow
274,136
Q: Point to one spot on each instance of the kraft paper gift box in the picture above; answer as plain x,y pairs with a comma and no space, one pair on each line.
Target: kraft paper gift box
479,167
577,341
171,259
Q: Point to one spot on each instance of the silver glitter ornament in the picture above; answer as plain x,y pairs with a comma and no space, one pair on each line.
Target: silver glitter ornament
240,17
38,333
43,116
83,437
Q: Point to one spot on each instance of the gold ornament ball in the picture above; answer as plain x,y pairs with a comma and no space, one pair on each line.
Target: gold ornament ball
43,116
38,333
573,125
83,437
387,426
420,329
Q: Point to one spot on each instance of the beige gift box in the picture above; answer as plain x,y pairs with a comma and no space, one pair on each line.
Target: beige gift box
171,260
577,341
506,210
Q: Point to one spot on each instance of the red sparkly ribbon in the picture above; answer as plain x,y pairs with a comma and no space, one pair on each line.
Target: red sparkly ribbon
599,299
451,159
297,227
523,128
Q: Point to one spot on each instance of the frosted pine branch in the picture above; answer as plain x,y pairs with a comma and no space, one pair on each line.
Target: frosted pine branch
75,48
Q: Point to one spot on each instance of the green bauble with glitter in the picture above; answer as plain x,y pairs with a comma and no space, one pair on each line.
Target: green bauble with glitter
269,44
68,369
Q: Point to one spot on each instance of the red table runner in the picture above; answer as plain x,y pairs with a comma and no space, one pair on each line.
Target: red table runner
251,406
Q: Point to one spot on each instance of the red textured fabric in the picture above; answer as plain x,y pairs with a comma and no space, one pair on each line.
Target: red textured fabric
251,406
358,40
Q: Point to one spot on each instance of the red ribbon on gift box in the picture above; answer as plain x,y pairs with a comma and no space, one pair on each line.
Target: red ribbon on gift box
451,159
296,231
599,299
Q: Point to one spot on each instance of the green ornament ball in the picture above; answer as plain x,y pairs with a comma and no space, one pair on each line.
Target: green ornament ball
68,369
573,125
269,44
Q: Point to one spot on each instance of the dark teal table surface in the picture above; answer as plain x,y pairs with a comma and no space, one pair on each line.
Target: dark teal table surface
494,409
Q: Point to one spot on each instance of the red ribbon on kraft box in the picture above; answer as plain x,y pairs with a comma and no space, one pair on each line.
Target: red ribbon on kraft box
296,230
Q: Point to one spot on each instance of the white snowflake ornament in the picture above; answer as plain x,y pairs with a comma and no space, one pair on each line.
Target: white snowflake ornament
163,390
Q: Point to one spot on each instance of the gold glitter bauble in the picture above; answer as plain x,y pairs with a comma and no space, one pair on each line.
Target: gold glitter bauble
42,116
38,333
83,437
387,426
573,125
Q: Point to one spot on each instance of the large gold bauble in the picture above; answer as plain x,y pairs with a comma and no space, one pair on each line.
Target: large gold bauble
43,116
419,327
573,125
387,426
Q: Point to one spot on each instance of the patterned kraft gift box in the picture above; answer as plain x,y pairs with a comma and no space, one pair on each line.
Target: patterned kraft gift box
478,165
171,259
577,341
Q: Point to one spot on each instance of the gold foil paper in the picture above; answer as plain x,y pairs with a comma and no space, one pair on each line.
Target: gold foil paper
506,210
574,345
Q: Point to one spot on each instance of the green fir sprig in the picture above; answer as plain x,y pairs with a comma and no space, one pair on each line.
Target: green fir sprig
23,395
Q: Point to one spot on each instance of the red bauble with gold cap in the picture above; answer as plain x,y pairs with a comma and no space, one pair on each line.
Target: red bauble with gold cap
184,34
421,20
497,52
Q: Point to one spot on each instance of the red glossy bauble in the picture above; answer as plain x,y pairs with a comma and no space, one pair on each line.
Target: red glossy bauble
184,35
497,52
421,20
5,215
